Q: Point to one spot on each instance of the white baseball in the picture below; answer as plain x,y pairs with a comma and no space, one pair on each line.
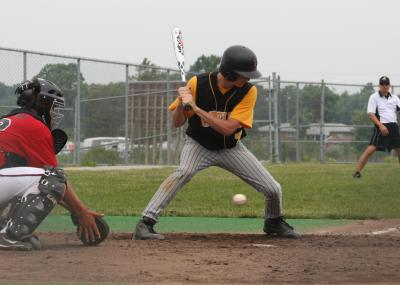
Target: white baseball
239,199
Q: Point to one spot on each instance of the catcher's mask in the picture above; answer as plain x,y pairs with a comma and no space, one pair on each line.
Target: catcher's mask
44,97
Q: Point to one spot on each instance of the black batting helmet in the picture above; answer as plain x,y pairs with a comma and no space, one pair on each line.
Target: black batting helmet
41,95
239,60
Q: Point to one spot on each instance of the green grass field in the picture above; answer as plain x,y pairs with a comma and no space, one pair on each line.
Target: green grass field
310,191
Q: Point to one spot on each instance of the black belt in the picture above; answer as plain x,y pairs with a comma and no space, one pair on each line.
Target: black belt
13,160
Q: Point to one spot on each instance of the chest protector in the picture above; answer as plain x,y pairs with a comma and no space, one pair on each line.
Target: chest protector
211,100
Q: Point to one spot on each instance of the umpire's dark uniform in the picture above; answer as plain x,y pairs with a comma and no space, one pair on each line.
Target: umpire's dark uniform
385,108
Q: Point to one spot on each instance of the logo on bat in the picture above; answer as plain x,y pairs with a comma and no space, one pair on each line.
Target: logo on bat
179,42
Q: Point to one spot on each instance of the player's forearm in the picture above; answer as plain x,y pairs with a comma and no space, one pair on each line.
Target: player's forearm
224,127
178,117
72,202
374,119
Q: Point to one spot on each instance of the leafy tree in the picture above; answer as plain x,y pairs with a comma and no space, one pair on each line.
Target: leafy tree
205,64
104,117
65,76
361,133
311,104
348,105
360,116
261,107
148,71
6,91
7,98
287,104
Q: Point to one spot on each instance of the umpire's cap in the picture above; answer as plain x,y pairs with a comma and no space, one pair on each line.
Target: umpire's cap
240,60
384,80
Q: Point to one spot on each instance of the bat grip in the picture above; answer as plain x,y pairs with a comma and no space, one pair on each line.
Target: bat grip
187,107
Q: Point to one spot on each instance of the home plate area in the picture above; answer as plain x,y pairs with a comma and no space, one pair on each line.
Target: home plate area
355,253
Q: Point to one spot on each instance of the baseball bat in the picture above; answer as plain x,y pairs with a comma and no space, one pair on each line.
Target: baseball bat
177,40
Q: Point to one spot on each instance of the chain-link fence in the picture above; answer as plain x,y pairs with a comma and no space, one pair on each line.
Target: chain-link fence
320,121
117,112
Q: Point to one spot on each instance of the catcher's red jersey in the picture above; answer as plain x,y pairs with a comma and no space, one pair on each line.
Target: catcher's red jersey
27,137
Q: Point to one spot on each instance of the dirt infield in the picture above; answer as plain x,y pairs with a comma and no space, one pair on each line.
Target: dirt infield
365,252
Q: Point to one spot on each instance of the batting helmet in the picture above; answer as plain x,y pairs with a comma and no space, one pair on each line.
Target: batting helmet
239,60
43,96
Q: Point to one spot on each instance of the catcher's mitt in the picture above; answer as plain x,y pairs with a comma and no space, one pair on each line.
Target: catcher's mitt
102,226
60,138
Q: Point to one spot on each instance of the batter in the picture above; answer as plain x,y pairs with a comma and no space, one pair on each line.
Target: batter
222,106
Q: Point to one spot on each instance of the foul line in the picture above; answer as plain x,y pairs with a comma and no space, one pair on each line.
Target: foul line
384,231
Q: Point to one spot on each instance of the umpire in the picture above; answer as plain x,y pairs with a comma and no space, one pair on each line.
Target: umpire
382,108
222,106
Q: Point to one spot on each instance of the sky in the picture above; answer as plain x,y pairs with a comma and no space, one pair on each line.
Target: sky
344,41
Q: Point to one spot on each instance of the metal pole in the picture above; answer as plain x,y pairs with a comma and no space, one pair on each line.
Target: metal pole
147,126
126,113
78,114
154,132
287,105
394,153
169,124
140,127
161,160
322,122
270,142
132,124
276,118
297,123
25,67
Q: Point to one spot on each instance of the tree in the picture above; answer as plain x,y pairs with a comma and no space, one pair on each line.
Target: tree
65,76
147,71
348,105
311,104
361,133
205,64
7,96
104,117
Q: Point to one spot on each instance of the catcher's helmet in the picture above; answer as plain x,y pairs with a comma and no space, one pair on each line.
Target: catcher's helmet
239,60
43,96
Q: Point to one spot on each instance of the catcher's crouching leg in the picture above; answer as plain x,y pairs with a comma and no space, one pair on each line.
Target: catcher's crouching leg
31,208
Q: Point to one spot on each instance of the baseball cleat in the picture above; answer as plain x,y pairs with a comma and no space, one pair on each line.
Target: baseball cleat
357,175
31,243
145,230
279,227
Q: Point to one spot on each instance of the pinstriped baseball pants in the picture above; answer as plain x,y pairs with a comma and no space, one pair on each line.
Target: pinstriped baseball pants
237,160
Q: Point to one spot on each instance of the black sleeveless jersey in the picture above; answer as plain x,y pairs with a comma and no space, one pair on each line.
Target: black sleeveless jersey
211,100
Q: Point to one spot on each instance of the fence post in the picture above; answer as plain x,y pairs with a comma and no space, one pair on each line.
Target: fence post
270,142
126,113
276,117
24,67
78,114
297,123
287,106
169,124
322,124
394,153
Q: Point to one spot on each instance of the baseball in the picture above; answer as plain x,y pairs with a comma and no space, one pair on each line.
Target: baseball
239,199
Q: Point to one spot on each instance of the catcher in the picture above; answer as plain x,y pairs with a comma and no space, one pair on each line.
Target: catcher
31,184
